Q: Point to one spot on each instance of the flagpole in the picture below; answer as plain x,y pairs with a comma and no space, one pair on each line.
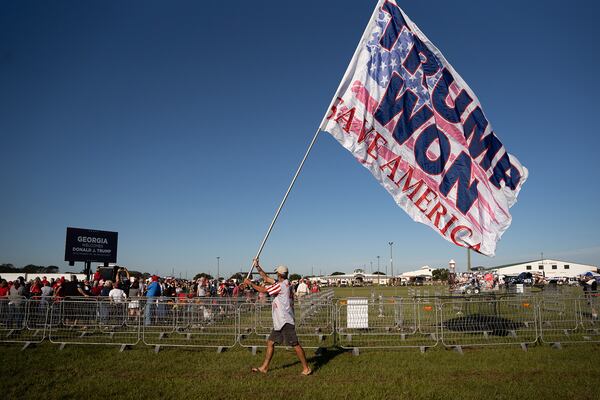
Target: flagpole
262,245
361,43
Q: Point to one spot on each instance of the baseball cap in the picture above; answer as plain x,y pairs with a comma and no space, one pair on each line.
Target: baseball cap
282,269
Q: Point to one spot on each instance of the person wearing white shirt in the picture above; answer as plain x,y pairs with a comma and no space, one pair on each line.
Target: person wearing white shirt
117,294
302,289
284,328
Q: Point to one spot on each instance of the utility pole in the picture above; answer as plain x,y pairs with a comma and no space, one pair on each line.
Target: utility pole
468,259
218,266
391,260
378,270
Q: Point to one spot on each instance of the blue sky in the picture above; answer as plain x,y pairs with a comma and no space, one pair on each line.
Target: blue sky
179,124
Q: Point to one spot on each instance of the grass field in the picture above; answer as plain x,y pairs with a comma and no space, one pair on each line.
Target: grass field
81,372
101,372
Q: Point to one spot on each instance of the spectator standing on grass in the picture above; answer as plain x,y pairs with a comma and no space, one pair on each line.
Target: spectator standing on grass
96,288
302,289
58,289
117,294
201,288
73,288
15,304
152,293
106,288
16,291
36,288
284,327
134,293
3,288
314,288
134,288
46,292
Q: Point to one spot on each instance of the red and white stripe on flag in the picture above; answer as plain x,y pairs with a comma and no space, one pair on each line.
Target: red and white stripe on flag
408,117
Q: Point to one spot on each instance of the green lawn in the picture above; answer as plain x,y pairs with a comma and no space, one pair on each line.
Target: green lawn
79,372
94,371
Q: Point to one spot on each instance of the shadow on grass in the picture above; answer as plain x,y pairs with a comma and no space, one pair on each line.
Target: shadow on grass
318,360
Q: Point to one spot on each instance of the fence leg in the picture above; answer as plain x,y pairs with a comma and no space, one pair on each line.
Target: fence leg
123,348
355,351
254,348
156,349
220,349
62,346
26,345
556,346
524,346
423,349
458,349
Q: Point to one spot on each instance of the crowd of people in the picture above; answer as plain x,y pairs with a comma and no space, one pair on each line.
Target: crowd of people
123,286
494,281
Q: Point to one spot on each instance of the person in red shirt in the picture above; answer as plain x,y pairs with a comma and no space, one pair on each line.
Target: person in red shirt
58,289
96,288
36,288
314,288
3,288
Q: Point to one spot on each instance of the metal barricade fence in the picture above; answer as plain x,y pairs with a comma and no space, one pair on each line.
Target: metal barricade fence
93,320
314,317
570,319
386,322
195,322
486,322
13,320
321,321
589,306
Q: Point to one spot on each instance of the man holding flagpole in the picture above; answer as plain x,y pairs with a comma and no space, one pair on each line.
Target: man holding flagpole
284,327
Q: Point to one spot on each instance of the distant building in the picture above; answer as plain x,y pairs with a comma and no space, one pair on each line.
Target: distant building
357,278
547,267
424,273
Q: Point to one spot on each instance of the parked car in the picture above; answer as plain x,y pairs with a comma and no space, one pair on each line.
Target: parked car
469,289
524,278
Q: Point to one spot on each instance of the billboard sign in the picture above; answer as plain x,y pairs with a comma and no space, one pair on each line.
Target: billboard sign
91,245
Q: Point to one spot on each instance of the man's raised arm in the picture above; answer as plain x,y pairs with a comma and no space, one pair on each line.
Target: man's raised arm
262,273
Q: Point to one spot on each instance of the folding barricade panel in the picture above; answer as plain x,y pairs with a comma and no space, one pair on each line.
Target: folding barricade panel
481,321
193,322
386,322
314,318
93,320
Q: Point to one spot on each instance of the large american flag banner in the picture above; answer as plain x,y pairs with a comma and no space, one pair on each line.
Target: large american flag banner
407,116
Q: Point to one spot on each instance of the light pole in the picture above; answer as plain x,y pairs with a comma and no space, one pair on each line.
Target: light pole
218,265
391,261
378,270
